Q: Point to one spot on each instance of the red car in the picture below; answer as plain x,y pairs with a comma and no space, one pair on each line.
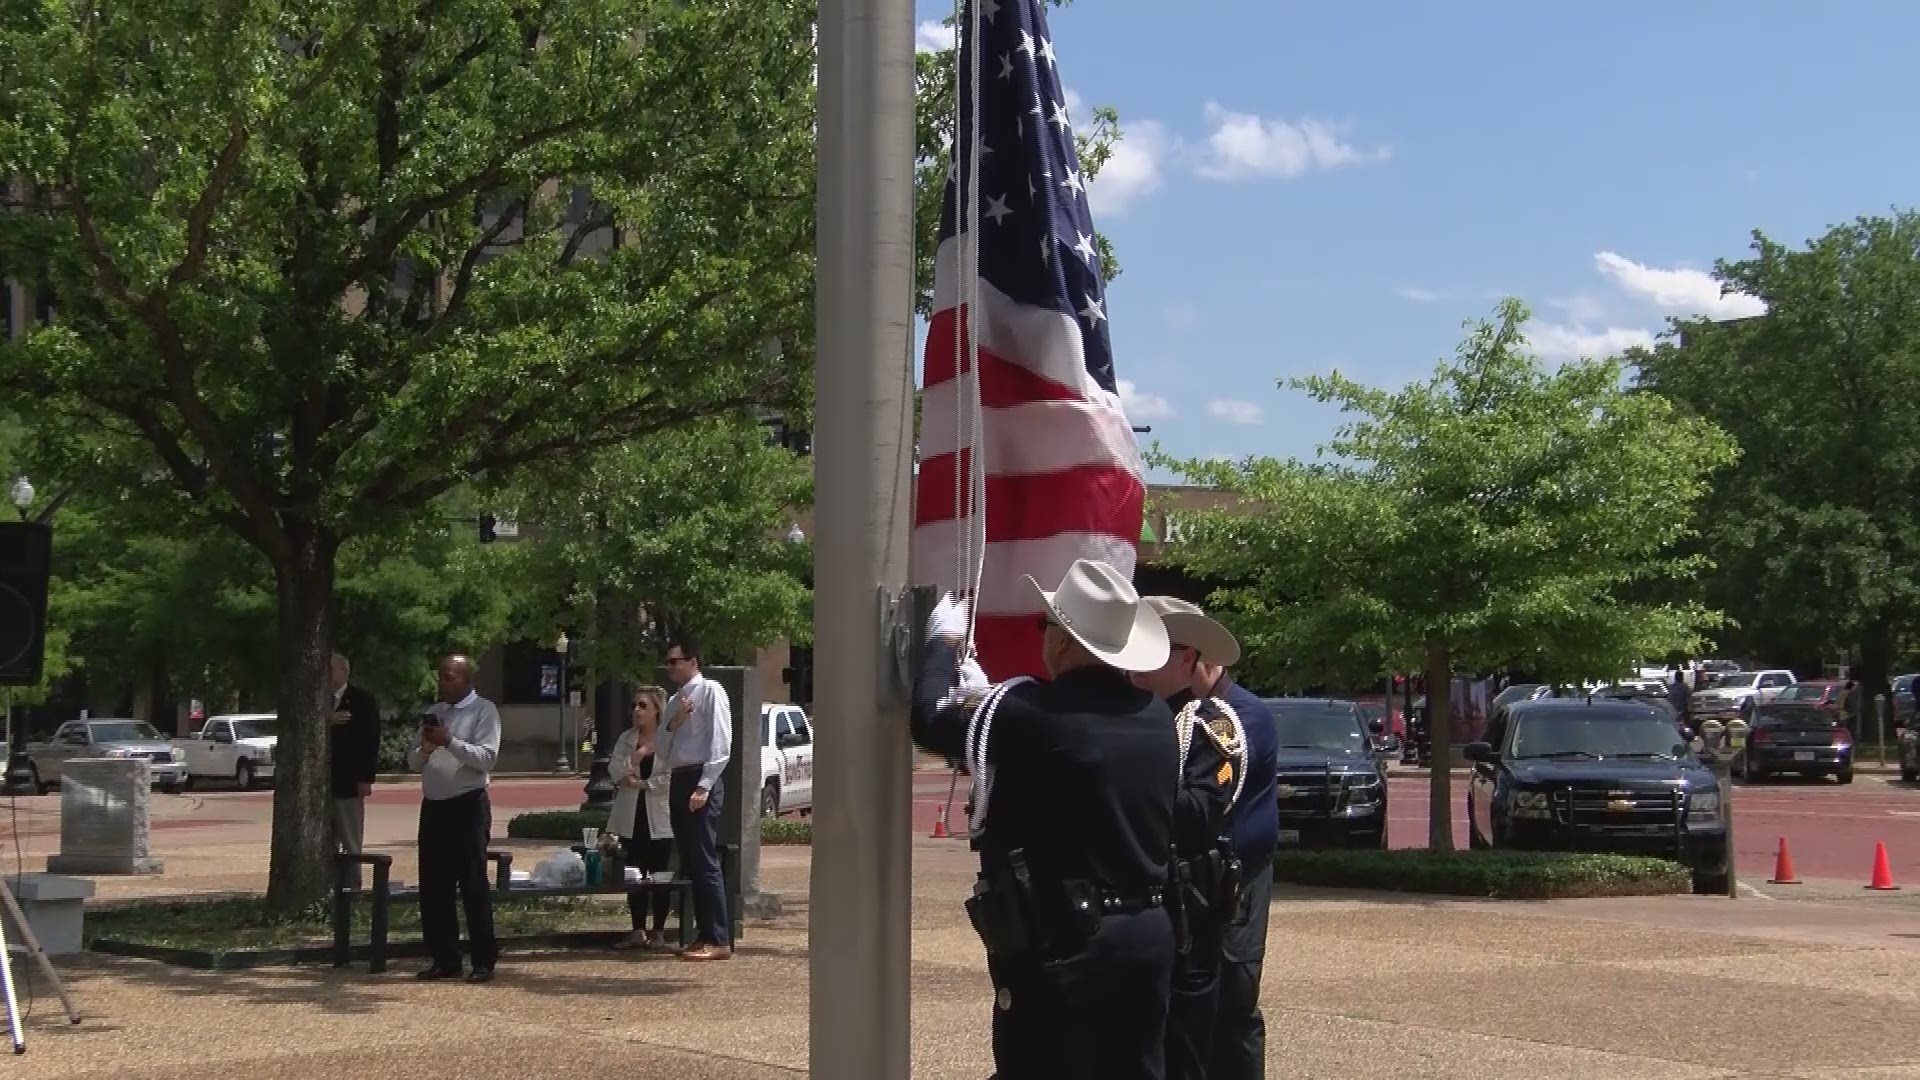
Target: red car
1825,694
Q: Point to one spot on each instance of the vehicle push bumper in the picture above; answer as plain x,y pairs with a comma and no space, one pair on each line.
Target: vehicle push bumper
1660,824
1328,809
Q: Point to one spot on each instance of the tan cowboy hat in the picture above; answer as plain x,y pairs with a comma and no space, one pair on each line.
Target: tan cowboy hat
1188,625
1100,609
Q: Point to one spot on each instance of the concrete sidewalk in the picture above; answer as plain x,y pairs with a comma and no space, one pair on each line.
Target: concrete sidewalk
1357,985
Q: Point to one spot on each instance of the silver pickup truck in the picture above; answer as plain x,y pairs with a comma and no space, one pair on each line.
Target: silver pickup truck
109,738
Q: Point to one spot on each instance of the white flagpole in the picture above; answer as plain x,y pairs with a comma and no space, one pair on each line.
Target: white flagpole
859,1019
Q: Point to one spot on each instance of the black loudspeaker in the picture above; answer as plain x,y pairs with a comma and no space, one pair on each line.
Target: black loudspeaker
26,560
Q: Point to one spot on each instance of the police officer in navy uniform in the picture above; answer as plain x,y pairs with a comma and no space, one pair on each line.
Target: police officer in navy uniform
1075,780
1206,866
1253,829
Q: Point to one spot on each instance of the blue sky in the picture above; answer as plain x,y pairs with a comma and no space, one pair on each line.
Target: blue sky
1307,187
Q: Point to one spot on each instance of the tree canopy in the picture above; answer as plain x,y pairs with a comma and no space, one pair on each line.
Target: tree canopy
1814,533
1498,514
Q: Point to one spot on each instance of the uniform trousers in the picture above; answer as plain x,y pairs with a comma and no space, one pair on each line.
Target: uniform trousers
453,856
1099,1013
1195,1000
1240,1031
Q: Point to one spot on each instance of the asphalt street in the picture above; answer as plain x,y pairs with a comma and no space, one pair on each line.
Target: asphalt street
1831,829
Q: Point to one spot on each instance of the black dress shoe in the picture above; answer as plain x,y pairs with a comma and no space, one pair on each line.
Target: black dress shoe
434,973
481,975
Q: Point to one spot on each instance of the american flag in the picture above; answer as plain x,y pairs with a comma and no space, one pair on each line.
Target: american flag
1063,475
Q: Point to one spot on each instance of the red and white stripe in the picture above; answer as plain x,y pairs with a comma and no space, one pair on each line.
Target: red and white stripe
1063,475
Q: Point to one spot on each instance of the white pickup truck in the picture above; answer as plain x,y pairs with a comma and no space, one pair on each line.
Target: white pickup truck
238,747
786,760
1737,693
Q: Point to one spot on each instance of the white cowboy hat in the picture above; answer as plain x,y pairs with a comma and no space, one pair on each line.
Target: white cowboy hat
1100,609
1188,625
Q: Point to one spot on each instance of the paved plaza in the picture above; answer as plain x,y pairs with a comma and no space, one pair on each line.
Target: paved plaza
1357,986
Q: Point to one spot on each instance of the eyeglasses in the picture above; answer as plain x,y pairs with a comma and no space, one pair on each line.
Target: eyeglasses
676,659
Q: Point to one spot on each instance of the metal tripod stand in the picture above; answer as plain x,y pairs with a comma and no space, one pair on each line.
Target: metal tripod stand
30,946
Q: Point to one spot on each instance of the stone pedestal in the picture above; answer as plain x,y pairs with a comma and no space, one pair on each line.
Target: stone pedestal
104,818
54,906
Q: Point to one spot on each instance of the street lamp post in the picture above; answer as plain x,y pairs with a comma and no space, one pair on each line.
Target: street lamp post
19,775
560,646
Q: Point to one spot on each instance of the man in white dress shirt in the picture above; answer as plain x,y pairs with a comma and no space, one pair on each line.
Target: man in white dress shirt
697,743
459,740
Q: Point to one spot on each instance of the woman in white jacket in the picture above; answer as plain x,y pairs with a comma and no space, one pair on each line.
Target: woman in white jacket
640,814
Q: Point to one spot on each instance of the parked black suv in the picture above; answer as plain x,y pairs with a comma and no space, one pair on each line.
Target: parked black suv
1332,787
1596,774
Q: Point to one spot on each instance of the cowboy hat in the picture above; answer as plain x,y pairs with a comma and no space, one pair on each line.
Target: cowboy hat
1188,625
1100,609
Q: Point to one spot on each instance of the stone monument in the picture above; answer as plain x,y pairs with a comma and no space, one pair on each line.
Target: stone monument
105,818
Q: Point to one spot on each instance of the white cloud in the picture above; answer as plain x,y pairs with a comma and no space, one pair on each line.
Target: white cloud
1418,295
1141,406
1134,169
1679,291
1562,341
1240,146
932,36
1235,412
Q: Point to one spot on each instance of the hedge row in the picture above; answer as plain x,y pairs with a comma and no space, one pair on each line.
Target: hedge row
1504,875
566,825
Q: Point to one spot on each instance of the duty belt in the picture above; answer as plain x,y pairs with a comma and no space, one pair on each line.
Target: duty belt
1113,903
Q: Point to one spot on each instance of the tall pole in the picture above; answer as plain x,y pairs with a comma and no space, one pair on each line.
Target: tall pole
862,881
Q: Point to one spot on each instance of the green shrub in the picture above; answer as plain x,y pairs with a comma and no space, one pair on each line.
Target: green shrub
786,831
395,741
1504,875
565,826
562,825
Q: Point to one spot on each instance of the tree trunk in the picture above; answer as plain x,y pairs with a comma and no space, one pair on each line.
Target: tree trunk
299,873
1440,739
1874,678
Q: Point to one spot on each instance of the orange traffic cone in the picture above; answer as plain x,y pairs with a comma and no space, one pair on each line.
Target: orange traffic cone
1783,867
940,828
1882,871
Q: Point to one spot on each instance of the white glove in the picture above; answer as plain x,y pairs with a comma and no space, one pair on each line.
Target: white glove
949,619
972,676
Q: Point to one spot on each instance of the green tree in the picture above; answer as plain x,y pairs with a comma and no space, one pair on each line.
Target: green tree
685,531
326,263
1815,533
1499,513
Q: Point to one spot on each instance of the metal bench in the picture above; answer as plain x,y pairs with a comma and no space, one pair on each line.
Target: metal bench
384,896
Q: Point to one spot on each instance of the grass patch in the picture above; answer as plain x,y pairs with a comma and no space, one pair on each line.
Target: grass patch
565,825
1501,875
237,923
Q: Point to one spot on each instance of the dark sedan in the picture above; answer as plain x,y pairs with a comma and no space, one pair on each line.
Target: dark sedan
1797,737
1332,788
1596,774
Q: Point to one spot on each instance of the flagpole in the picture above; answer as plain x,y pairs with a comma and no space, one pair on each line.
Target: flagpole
861,890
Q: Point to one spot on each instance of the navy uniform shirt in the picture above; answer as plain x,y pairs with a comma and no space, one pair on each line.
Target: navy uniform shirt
1254,821
1085,771
1206,786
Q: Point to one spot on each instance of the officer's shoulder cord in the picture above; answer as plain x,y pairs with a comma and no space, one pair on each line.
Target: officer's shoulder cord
1234,751
979,729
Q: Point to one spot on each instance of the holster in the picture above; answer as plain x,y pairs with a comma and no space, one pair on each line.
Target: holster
1003,910
1179,893
1232,881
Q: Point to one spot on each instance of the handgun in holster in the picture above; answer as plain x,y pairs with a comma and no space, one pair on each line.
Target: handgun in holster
1180,876
1232,879
1001,909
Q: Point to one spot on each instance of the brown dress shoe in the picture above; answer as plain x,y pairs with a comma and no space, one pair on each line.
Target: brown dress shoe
704,952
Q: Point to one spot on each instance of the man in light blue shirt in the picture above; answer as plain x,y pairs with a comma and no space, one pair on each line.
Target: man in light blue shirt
696,743
459,740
